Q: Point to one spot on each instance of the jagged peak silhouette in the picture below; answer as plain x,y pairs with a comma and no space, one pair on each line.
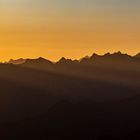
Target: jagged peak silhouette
119,52
94,55
63,60
116,55
107,56
39,60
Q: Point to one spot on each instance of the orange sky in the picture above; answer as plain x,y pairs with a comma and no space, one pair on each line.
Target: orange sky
72,31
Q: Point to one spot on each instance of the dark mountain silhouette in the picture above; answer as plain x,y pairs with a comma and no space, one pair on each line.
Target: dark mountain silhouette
96,97
18,61
64,61
117,56
137,55
39,63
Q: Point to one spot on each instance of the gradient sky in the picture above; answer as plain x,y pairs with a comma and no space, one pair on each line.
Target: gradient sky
69,28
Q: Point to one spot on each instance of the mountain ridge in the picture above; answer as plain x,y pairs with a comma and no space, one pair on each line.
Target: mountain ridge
115,55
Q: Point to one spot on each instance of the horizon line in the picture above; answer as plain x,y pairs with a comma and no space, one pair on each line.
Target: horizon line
22,58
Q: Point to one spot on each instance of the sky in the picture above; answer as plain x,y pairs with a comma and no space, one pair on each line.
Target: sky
69,28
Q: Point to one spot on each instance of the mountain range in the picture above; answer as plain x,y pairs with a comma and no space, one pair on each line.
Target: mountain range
114,67
117,55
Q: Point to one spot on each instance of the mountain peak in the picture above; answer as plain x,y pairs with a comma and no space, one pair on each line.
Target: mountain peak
63,60
107,54
37,62
119,52
17,61
41,58
94,54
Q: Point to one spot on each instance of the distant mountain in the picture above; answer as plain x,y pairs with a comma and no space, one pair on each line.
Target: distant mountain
39,60
95,66
17,61
117,56
137,55
64,61
39,63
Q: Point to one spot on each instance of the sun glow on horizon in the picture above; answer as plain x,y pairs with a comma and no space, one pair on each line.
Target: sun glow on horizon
72,29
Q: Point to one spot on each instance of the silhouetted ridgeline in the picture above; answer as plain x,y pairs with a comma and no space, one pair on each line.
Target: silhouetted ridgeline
95,98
